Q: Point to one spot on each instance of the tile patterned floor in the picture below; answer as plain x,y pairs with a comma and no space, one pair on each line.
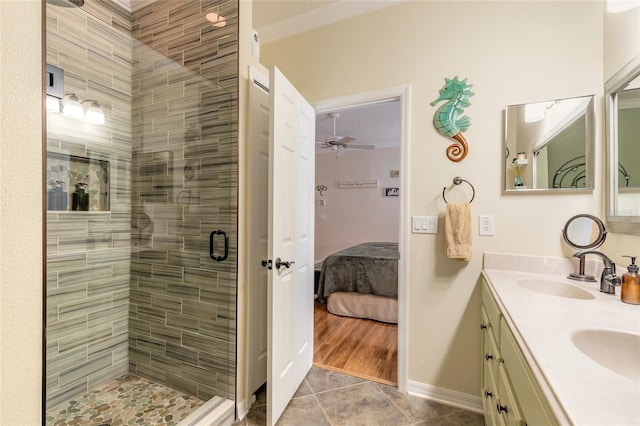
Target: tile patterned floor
127,400
331,398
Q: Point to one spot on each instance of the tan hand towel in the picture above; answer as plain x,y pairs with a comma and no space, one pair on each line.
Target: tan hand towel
457,231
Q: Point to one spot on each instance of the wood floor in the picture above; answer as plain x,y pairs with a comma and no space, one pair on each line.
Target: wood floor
360,347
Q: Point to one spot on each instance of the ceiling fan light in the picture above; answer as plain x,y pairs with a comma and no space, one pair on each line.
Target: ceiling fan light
216,20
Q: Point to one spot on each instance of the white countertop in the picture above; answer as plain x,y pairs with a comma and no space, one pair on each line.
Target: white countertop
580,390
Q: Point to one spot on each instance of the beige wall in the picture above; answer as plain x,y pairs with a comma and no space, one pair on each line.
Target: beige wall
512,52
353,216
21,239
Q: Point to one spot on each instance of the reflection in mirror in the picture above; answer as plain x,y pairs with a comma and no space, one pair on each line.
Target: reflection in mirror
549,145
584,232
623,148
628,135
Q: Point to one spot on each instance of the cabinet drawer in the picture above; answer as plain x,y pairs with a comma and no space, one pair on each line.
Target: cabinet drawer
490,352
534,406
490,399
492,310
507,406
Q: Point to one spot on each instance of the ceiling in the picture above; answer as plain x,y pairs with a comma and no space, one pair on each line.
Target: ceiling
276,19
376,124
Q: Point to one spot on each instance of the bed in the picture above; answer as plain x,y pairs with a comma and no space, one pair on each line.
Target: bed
362,281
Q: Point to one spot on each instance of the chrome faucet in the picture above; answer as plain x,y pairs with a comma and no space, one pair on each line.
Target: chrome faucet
608,280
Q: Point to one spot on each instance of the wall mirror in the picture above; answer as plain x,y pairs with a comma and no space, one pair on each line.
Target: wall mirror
549,145
622,100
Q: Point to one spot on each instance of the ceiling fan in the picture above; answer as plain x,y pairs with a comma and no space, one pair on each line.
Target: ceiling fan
338,143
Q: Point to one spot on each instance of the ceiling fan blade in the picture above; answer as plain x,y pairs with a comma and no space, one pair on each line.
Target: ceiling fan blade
361,146
345,140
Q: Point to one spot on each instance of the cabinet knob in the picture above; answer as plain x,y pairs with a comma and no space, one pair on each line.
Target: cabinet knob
501,408
483,326
488,394
488,357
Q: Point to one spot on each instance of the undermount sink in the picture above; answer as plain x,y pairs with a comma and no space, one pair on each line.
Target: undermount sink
555,288
614,350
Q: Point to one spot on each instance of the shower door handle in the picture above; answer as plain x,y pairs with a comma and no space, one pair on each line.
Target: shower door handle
226,245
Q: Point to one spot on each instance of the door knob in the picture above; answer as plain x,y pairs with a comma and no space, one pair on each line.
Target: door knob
280,263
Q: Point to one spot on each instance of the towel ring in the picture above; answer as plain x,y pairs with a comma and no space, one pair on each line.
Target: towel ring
457,181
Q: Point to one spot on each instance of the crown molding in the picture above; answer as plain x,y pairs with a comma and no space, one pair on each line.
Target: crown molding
318,17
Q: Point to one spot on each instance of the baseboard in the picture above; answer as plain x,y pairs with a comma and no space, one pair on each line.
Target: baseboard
456,399
243,407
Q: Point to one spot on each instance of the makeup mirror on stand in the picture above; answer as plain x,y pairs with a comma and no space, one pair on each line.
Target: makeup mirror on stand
584,232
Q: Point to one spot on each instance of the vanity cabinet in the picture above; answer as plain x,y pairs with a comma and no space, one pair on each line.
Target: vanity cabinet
510,393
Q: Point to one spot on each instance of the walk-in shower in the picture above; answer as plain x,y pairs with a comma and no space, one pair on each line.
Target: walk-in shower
142,217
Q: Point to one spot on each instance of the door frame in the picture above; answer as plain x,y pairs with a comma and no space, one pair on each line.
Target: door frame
403,95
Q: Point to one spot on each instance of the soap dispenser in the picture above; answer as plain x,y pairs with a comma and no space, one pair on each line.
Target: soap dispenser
631,284
80,198
57,198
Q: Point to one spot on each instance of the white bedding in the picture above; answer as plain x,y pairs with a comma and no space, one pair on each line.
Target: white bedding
359,305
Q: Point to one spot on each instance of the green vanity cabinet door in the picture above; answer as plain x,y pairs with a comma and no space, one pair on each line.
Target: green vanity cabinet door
493,312
534,406
490,357
507,406
510,393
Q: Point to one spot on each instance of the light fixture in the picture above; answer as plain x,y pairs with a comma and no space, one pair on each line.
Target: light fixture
94,113
216,20
53,104
71,107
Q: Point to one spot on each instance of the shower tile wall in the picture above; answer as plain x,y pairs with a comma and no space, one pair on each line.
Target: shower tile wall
88,256
185,103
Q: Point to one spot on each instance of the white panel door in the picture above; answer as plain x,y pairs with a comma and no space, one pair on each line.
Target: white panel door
290,287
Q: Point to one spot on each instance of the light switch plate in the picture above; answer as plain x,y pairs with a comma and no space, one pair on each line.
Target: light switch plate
424,224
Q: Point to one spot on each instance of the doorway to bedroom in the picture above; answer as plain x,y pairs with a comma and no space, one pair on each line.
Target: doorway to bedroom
357,231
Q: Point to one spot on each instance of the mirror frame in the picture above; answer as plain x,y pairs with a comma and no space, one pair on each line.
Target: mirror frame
602,235
617,224
590,159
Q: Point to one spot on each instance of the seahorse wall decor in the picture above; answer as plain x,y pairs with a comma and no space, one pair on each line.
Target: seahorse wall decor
448,119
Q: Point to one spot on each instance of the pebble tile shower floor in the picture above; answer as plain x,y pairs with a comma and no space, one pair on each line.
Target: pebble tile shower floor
127,400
